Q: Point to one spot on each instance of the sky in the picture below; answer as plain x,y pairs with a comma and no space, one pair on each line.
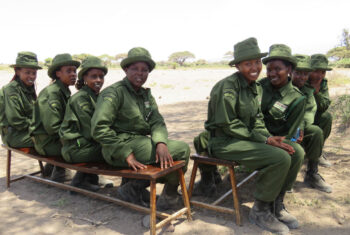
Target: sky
206,28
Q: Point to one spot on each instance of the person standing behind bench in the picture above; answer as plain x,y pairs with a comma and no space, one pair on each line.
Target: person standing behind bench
311,136
317,79
50,107
18,100
75,131
238,133
132,132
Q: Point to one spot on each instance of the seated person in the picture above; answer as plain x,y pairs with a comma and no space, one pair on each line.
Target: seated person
133,133
49,110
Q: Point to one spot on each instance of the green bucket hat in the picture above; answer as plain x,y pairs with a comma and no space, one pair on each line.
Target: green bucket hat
246,50
26,59
319,61
59,61
303,62
138,54
282,52
89,63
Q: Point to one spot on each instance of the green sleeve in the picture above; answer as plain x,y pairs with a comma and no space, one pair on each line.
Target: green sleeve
259,126
322,99
52,113
295,118
159,132
107,107
227,118
15,113
84,111
310,111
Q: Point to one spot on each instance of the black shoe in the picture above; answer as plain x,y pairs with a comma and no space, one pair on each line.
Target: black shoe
82,180
169,198
48,168
58,174
131,191
206,186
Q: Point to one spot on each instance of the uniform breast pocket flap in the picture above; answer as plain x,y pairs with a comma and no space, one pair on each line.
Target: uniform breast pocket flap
278,110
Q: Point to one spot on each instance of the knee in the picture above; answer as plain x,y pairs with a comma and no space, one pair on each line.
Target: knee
299,154
328,117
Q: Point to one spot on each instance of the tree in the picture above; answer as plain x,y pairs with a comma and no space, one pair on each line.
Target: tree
80,57
181,56
228,55
341,54
121,56
48,62
345,39
107,59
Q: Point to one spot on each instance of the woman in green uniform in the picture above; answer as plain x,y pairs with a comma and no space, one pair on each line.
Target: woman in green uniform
318,80
75,131
311,136
18,99
238,133
133,133
50,107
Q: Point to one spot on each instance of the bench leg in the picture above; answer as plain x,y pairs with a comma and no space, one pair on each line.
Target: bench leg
8,169
193,177
184,194
235,195
41,168
153,208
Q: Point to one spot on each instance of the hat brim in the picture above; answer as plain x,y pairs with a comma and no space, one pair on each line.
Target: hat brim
82,71
127,61
249,57
307,69
322,68
289,59
52,69
25,66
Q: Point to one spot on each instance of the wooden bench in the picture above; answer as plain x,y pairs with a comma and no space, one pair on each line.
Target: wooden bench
214,206
152,173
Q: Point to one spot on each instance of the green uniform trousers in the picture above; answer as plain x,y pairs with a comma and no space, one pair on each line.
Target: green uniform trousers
144,150
47,146
81,150
313,142
324,121
277,169
17,139
200,143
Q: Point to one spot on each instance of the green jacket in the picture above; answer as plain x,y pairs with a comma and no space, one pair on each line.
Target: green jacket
49,112
122,113
2,110
234,110
283,109
322,97
310,106
77,118
18,105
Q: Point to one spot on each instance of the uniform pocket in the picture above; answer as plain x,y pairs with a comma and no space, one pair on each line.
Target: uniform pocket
278,111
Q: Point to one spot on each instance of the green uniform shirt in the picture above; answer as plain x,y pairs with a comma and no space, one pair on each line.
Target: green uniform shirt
77,118
322,97
310,106
234,110
18,105
49,111
283,109
2,110
120,113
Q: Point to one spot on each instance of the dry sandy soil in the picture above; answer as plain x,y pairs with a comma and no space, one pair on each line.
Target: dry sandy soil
33,208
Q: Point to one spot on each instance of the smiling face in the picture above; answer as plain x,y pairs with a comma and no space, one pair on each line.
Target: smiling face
317,76
299,77
277,72
27,75
94,78
67,75
137,74
250,69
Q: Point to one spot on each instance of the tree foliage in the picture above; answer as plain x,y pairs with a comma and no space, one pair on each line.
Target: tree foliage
121,56
181,56
341,54
80,57
228,55
48,62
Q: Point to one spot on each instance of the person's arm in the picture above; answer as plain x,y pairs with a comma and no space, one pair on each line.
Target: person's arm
295,118
322,98
159,132
52,113
14,111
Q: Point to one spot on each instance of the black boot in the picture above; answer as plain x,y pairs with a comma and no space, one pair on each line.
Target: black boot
131,191
261,215
58,174
282,214
206,186
169,198
314,179
217,176
82,180
144,192
48,168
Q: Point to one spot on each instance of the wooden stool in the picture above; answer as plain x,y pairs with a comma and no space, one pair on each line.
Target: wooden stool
152,173
214,206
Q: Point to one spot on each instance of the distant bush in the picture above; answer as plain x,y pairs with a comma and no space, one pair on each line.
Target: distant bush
340,109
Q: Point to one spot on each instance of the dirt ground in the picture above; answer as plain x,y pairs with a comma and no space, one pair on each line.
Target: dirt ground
33,208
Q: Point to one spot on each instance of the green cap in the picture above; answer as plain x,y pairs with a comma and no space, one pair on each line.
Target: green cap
319,61
59,61
246,50
89,63
138,54
303,62
26,59
280,52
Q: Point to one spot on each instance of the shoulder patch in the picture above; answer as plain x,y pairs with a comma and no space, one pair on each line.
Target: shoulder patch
54,104
84,106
